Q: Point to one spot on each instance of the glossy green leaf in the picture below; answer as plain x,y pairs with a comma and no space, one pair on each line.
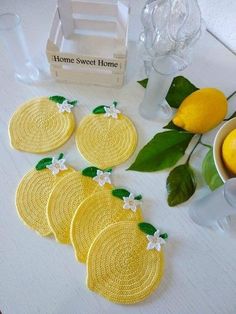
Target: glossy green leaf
147,228
108,170
172,126
179,89
99,110
57,99
180,185
162,152
120,193
164,236
90,172
138,197
143,82
73,102
43,163
209,171
60,156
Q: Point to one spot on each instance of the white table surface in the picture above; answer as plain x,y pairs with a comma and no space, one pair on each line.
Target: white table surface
38,275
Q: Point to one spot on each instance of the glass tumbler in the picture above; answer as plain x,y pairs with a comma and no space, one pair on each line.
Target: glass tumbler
161,75
12,36
215,209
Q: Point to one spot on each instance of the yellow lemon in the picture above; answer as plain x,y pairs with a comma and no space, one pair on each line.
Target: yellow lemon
32,196
229,151
119,265
201,111
93,215
105,141
65,199
38,126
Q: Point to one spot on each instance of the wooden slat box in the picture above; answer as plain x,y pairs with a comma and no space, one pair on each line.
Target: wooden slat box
88,42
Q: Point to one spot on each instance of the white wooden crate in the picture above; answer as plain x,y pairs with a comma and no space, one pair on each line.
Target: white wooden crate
88,42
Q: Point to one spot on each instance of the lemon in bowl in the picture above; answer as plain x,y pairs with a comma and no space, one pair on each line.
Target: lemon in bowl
224,150
229,151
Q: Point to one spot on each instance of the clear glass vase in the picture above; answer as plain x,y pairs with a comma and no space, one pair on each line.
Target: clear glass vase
12,36
170,29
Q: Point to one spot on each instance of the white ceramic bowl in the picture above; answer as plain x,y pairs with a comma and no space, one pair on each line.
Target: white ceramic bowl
226,128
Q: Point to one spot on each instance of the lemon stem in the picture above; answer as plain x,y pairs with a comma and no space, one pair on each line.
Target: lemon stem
231,117
234,114
198,142
206,145
230,96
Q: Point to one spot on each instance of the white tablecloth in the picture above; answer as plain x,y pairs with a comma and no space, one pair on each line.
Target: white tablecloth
38,275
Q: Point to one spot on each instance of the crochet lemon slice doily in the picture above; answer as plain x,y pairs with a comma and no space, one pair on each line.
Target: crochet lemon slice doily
65,198
122,266
97,212
40,125
106,141
32,195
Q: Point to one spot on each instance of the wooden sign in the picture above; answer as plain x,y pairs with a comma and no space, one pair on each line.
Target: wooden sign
100,31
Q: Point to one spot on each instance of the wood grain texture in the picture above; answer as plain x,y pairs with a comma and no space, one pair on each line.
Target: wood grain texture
38,275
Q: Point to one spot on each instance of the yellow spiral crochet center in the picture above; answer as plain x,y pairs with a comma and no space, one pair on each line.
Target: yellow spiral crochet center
38,127
65,199
104,141
93,215
119,266
32,196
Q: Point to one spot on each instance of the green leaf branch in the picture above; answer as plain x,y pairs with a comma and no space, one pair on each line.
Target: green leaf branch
162,152
166,149
181,182
195,146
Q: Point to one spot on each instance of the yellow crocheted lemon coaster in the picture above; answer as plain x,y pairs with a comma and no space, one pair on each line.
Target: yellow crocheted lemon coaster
42,124
106,138
67,196
97,212
124,265
32,195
